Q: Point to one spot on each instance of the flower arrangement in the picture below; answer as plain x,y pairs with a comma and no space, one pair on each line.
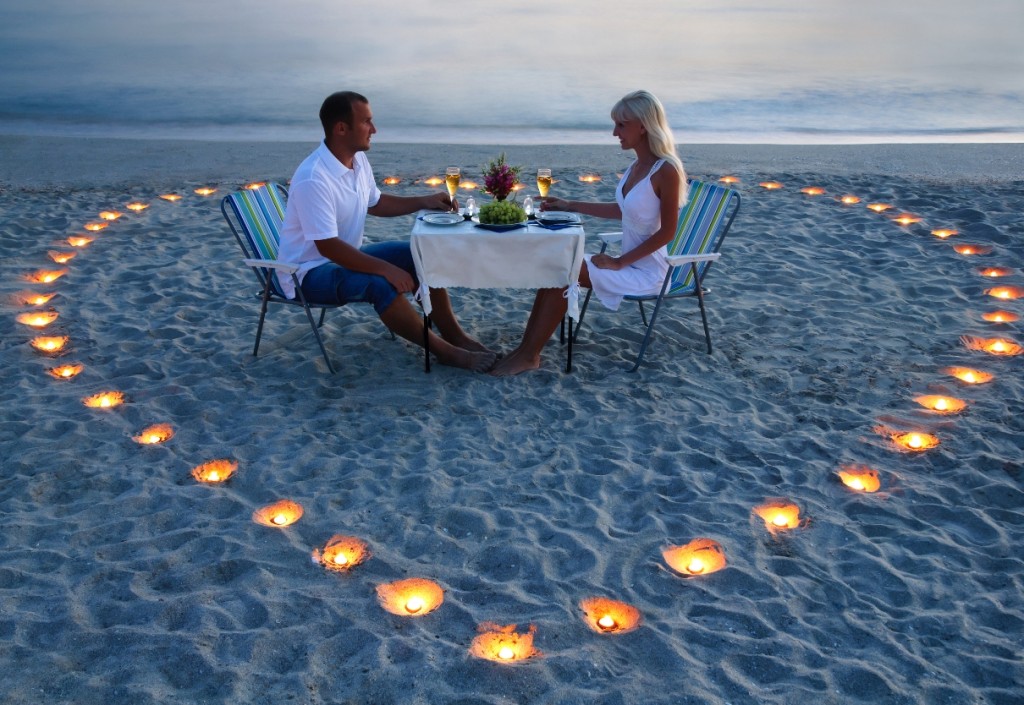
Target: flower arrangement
500,178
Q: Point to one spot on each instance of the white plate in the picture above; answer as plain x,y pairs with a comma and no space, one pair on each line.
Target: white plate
557,218
443,218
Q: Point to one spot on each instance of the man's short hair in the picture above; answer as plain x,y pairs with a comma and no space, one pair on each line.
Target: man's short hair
337,108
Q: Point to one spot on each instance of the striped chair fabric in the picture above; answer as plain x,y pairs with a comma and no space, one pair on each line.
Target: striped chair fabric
700,231
261,214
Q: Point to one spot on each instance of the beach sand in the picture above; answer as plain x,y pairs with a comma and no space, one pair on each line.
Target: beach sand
123,580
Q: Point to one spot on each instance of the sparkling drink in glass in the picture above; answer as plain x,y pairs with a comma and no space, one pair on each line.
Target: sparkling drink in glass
543,182
452,176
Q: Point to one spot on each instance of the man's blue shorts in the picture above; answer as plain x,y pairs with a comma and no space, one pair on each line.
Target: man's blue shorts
331,283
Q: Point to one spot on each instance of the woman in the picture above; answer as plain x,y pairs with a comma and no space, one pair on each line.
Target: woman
647,201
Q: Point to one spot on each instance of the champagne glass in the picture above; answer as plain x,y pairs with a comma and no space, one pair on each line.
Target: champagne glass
543,182
452,176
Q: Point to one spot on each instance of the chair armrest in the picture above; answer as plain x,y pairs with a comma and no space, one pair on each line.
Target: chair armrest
286,267
610,237
676,260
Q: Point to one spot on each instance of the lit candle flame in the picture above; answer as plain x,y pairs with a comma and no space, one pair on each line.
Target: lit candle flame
879,207
342,553
468,185
254,185
609,616
943,233
914,441
158,433
30,298
79,240
49,344
812,190
172,197
66,371
969,376
779,514
433,181
110,215
205,191
104,400
590,178
1006,293
137,206
941,404
699,557
860,479
62,257
971,249
907,219
391,180
39,319
46,276
503,644
995,346
995,272
770,185
412,597
1000,317
849,200
94,227
279,514
729,179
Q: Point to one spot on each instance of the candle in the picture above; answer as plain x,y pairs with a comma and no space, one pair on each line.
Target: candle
943,233
137,206
342,553
205,191
699,557
503,644
849,200
279,514
879,207
412,597
729,179
770,185
607,616
860,478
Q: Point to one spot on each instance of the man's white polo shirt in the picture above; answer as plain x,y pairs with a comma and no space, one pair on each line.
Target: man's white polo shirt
325,199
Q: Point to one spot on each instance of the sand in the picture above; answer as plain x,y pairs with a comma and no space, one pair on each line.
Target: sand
123,580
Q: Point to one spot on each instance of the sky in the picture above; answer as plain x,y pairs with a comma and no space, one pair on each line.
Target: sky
747,64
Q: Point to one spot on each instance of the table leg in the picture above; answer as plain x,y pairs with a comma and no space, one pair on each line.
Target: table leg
568,357
426,343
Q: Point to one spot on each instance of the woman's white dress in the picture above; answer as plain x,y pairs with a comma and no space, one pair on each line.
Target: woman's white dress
641,218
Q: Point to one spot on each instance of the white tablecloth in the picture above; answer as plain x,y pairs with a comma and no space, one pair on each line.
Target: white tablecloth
527,258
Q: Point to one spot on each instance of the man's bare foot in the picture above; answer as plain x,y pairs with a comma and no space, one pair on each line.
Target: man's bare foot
514,364
472,344
477,361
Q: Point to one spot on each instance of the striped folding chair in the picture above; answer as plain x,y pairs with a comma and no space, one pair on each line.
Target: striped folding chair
703,224
255,217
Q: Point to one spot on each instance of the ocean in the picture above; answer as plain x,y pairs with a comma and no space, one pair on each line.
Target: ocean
743,71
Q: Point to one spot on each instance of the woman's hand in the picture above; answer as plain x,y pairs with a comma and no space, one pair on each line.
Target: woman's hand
554,204
606,262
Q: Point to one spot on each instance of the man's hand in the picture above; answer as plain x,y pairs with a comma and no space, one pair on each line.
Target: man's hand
440,202
399,278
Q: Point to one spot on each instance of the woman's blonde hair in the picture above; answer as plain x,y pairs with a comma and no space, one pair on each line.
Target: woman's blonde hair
645,107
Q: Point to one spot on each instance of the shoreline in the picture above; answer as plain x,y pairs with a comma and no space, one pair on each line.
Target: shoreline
58,162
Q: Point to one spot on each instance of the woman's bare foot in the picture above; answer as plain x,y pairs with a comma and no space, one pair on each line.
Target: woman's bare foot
515,363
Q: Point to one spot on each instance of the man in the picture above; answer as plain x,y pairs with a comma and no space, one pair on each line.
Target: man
330,194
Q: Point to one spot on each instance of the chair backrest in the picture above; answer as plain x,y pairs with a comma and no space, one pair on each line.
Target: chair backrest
703,223
259,215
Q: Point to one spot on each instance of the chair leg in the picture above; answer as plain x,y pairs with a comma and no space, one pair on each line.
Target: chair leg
568,355
263,316
312,324
643,314
583,311
704,318
323,313
426,343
